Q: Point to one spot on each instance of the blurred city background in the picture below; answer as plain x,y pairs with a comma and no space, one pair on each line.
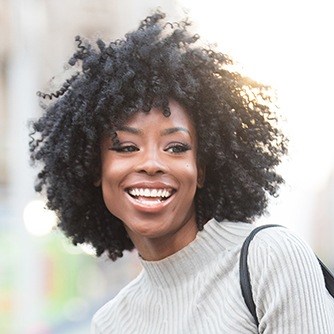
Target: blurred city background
49,286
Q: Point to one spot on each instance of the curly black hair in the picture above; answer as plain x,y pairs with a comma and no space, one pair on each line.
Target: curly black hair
239,140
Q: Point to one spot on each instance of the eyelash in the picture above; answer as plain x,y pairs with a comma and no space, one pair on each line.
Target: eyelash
175,148
125,149
178,148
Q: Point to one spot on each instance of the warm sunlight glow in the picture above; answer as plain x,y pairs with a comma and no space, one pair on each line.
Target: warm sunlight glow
286,44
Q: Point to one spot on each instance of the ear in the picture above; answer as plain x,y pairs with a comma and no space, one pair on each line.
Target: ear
201,176
98,176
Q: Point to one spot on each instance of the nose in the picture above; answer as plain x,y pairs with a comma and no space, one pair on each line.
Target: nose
151,163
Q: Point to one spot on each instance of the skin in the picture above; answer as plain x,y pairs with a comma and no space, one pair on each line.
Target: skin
155,152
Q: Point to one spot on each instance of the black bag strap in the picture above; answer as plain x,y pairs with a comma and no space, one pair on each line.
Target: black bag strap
329,278
246,288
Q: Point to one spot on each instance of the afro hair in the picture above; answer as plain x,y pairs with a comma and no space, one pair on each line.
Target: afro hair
239,140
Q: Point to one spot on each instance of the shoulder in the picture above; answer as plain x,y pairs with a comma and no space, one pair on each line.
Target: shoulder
110,311
286,278
229,234
278,248
278,241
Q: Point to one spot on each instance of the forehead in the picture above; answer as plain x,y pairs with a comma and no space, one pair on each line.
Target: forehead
179,117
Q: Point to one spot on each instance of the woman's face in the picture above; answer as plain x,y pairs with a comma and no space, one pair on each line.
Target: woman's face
149,181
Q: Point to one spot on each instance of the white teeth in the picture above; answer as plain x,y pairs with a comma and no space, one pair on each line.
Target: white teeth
134,192
149,192
154,193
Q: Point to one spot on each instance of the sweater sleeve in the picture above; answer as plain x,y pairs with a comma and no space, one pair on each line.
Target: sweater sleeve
288,285
93,328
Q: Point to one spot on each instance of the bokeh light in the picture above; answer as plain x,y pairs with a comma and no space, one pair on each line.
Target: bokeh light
38,220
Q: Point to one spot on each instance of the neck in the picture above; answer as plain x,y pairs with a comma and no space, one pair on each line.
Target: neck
216,239
158,248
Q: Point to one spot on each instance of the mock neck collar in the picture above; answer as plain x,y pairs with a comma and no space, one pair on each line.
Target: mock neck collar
214,239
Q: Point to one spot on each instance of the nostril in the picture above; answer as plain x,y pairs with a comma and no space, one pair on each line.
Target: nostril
151,167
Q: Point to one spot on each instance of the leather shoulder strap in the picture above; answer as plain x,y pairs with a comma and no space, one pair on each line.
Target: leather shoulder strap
329,278
246,288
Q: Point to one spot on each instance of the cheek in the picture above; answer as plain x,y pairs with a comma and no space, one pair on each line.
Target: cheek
111,175
189,175
108,192
112,171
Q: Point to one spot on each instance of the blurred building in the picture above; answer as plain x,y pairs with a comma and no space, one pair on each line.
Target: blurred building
46,284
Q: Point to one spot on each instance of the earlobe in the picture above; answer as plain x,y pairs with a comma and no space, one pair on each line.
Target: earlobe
201,177
98,178
97,183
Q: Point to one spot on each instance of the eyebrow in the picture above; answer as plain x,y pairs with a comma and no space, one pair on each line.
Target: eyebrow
130,129
173,130
164,132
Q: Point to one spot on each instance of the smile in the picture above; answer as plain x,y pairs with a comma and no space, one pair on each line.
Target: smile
150,193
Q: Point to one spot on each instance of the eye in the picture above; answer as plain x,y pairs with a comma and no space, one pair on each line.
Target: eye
178,148
125,149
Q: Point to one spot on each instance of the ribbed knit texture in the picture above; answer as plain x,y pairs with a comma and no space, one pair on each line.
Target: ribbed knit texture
196,290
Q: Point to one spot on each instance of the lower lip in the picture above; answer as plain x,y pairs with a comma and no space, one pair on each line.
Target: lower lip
149,205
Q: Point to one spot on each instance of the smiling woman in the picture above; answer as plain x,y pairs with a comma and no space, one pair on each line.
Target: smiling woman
149,180
156,144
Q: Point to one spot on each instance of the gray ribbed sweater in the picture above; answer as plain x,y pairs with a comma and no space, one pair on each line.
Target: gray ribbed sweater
196,290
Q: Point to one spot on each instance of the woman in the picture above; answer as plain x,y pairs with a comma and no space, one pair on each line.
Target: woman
158,145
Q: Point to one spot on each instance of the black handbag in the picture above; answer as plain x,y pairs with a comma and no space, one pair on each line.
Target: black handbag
245,284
